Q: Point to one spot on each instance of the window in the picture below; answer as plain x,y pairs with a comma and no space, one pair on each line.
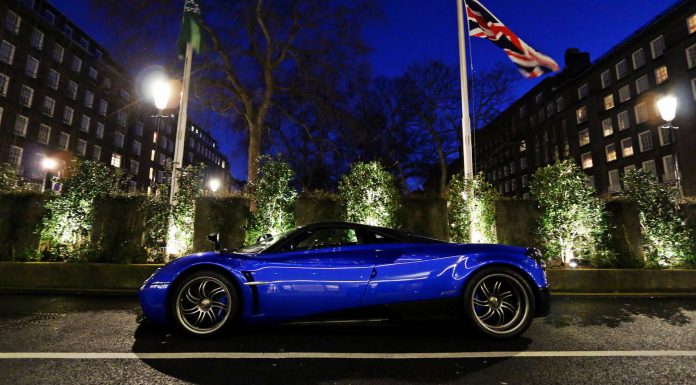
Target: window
626,147
96,153
152,155
605,77
89,99
327,238
691,56
37,39
15,158
97,54
584,137
68,115
116,160
124,94
624,93
31,68
668,165
49,105
586,160
629,168
661,75
118,139
610,150
657,46
607,128
72,89
136,148
560,104
583,91
76,65
134,166
614,181
121,118
64,141
107,83
642,84
93,73
58,52
49,16
638,58
641,111
665,135
621,69
21,124
100,130
44,134
161,159
83,43
7,52
581,114
53,79
649,166
693,87
139,128
84,123
81,148
691,23
189,157
67,30
26,96
645,141
103,106
12,22
609,102
624,121
4,83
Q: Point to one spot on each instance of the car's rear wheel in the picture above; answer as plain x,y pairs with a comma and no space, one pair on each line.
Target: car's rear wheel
204,302
499,302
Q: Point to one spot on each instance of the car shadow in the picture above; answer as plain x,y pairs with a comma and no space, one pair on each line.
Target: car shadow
613,312
392,337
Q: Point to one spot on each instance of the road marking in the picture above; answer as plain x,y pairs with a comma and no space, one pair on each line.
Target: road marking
330,355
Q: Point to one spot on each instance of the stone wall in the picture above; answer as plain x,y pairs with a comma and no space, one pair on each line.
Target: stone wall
516,222
20,217
226,216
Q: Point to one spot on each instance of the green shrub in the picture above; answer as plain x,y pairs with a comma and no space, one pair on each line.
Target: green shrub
10,181
370,195
191,185
471,202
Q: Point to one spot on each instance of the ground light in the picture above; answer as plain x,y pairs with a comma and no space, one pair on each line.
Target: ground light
573,263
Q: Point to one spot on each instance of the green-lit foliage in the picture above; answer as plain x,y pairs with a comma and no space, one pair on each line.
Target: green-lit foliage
572,222
191,185
370,195
157,209
9,180
274,197
666,239
67,225
471,202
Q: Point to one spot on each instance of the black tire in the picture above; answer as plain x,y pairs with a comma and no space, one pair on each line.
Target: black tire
508,308
204,303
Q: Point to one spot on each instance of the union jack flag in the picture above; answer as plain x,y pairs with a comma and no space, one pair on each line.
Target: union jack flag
483,24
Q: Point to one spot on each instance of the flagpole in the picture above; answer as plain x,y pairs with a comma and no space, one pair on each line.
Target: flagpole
179,142
466,123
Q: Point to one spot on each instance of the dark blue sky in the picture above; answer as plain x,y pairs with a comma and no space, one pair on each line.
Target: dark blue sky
419,30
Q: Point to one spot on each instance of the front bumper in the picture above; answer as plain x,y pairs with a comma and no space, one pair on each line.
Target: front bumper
543,304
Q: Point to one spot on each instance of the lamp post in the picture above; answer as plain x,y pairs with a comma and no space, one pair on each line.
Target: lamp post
47,164
667,106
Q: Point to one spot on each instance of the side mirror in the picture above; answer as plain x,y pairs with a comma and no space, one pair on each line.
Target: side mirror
263,238
215,239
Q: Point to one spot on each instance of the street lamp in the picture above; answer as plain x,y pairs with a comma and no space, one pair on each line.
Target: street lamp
161,91
667,106
47,164
214,184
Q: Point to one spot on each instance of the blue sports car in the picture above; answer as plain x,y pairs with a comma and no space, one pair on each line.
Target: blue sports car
336,266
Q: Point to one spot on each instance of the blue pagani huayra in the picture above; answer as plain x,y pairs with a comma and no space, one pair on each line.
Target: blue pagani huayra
326,268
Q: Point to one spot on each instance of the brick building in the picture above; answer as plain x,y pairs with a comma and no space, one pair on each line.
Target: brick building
603,114
62,96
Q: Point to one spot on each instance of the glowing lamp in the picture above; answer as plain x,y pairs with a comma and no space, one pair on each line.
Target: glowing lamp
668,108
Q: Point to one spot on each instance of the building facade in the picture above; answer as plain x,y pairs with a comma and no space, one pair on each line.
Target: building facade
604,114
61,96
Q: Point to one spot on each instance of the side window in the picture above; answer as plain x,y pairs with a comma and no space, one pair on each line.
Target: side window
323,238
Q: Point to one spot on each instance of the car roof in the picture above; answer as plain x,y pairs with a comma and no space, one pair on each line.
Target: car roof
404,236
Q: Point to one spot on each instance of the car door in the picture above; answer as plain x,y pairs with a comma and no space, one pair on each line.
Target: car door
320,270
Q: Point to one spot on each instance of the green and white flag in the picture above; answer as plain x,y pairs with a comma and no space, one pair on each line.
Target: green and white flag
191,29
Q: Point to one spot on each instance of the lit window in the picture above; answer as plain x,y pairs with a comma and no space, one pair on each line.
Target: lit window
642,84
626,147
657,46
15,156
12,22
586,160
691,56
53,79
44,134
37,39
21,124
624,121
641,111
64,140
621,69
661,75
116,160
645,141
610,150
26,96
583,91
670,170
584,137
607,128
691,23
606,78
624,93
581,114
7,52
649,166
638,58
4,83
609,102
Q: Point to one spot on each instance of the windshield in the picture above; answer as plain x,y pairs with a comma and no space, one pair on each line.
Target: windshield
263,244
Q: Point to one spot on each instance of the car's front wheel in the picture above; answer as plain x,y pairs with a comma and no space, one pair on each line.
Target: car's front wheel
499,302
204,302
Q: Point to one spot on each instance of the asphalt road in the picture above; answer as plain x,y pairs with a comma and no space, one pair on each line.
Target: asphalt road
96,340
